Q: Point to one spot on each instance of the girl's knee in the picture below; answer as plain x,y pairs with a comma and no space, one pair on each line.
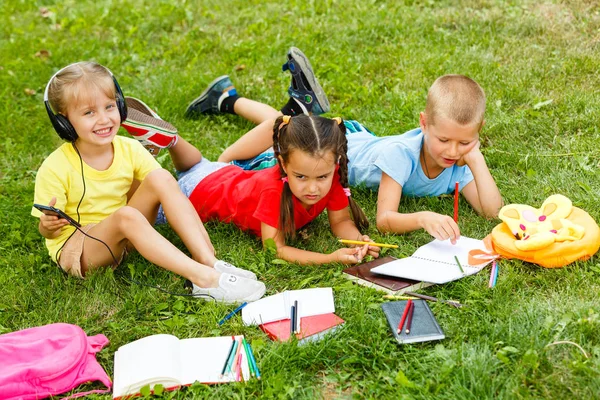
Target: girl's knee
161,178
129,217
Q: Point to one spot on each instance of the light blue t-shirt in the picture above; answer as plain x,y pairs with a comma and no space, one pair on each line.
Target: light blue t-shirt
399,157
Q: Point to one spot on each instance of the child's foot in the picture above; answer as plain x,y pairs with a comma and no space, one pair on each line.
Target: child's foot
147,127
225,267
211,99
232,289
305,88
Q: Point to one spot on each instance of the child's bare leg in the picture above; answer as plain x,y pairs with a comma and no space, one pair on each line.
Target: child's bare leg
129,225
160,187
184,155
255,111
254,142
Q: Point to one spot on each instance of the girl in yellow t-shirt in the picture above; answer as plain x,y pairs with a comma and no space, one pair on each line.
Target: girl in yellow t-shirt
113,187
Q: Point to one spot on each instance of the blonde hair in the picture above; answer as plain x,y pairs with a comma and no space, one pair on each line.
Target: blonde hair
456,97
77,82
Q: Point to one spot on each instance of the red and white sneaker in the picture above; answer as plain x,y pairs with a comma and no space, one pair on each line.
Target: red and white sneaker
148,127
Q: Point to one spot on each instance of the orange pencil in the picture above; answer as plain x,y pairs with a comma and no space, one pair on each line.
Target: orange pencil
404,314
456,202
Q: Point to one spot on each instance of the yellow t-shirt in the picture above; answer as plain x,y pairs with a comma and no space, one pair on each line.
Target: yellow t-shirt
105,191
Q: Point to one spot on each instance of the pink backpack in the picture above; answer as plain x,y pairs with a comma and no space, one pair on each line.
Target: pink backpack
47,360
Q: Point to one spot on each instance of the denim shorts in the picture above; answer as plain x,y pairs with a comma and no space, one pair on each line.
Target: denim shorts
188,180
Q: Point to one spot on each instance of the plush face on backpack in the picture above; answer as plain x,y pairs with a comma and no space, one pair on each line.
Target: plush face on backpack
535,229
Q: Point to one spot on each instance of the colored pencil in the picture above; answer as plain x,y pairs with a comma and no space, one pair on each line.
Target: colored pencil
232,356
248,359
235,357
411,311
496,275
346,241
456,202
404,314
231,314
462,271
430,298
228,355
394,297
238,371
254,362
492,272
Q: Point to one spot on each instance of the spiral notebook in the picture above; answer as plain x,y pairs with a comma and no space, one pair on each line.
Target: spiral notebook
423,328
435,262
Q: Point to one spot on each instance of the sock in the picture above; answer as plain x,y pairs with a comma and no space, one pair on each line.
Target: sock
293,107
228,102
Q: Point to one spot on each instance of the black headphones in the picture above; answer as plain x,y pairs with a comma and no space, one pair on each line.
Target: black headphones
61,124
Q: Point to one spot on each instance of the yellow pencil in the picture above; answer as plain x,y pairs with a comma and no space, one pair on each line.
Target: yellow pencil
346,241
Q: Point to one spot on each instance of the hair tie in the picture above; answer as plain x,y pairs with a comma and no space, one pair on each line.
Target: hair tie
346,191
286,119
338,120
284,179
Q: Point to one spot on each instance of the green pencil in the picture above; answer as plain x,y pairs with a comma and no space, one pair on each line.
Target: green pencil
459,266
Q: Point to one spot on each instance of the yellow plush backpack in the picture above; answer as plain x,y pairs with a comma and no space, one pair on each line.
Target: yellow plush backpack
552,236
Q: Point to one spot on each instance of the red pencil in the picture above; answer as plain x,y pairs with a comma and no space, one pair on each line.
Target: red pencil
456,202
404,314
409,318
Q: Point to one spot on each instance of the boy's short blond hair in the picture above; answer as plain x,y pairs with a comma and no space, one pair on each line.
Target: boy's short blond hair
456,97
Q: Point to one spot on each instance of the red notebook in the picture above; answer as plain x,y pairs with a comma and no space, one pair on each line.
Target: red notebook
311,328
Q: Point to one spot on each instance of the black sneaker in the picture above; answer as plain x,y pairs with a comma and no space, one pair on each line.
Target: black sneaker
209,101
305,87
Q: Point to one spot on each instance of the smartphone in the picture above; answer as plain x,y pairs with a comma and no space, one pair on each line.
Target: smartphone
49,210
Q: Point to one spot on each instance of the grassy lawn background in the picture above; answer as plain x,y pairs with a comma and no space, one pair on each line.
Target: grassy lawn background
538,63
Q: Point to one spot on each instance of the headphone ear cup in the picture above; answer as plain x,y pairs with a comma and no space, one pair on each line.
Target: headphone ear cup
120,99
64,128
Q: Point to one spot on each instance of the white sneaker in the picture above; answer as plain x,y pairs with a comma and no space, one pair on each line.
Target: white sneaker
232,289
227,268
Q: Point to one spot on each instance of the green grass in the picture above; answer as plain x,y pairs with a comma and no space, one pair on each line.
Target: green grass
375,60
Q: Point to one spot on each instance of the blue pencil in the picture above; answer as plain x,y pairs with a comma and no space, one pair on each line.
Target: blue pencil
231,314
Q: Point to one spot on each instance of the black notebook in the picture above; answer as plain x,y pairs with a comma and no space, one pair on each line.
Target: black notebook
423,328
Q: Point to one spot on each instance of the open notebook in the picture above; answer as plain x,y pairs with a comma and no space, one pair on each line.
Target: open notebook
435,263
172,362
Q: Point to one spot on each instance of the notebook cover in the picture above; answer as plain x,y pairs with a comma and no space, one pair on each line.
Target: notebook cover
316,325
424,326
362,275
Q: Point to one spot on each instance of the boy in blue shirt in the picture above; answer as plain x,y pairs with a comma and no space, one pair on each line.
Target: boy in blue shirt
426,161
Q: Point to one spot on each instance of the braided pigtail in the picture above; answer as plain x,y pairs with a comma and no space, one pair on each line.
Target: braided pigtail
358,215
287,224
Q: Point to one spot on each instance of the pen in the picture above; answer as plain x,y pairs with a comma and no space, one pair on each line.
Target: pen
430,298
404,314
346,241
456,202
411,311
228,356
459,266
292,320
296,319
231,314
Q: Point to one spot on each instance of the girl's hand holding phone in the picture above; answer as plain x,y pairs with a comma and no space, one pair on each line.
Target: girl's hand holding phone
51,222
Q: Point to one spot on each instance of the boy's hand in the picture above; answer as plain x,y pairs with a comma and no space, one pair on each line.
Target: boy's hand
470,155
50,224
440,226
351,255
373,251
